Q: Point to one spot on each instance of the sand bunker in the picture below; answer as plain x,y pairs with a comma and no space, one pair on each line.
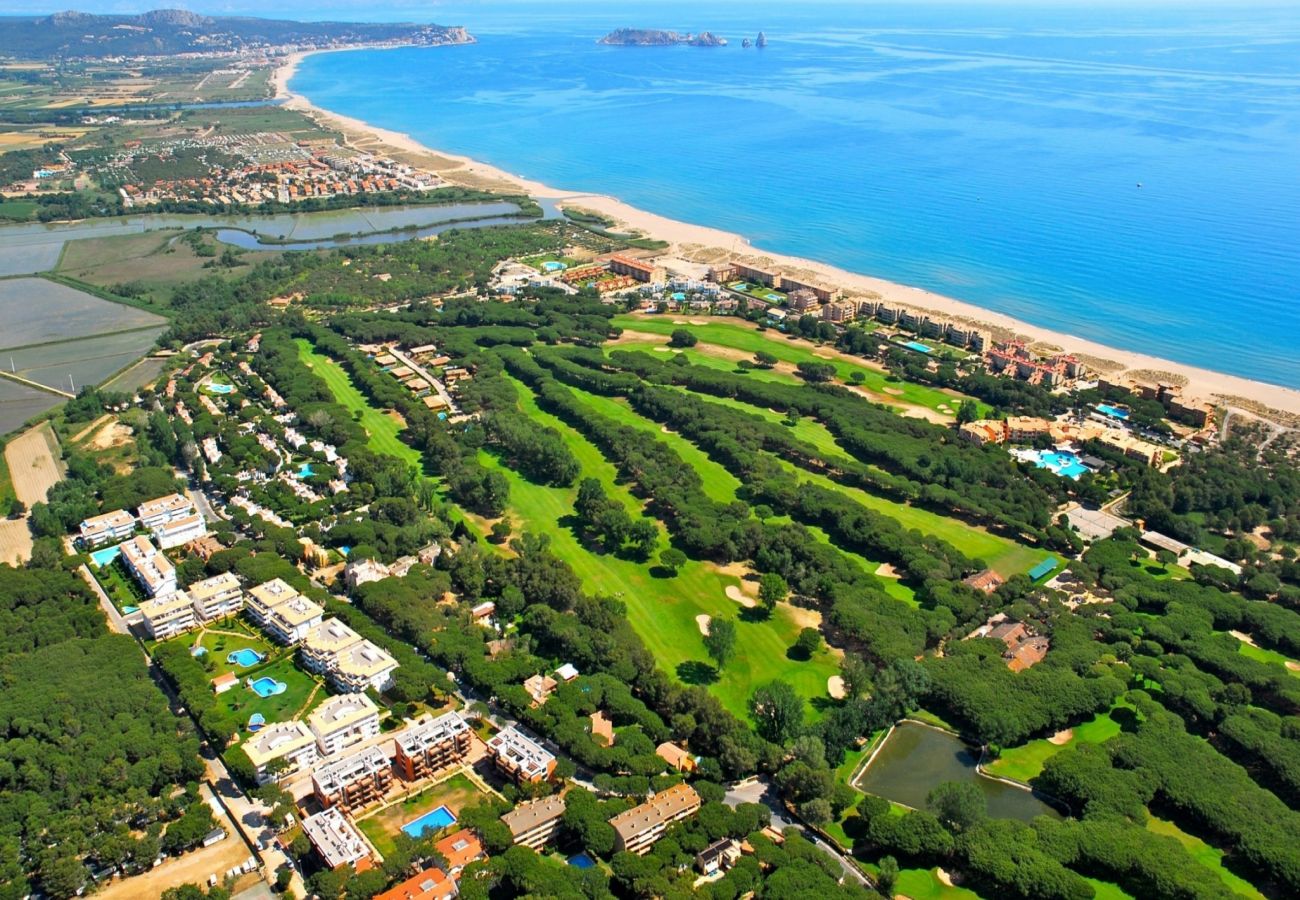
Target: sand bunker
897,392
835,687
887,570
1243,637
1293,665
734,593
943,876
703,622
1061,738
663,349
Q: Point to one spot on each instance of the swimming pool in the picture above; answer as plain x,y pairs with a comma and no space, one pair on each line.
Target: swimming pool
775,298
130,609
244,658
582,861
215,388
305,470
268,687
553,266
1062,463
1113,411
740,287
918,346
431,821
679,296
198,651
256,722
105,555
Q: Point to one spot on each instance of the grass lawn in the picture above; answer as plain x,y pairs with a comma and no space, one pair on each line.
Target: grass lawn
221,645
382,828
1206,855
1026,761
1263,654
121,588
382,428
243,702
7,495
663,610
924,884
743,337
1107,891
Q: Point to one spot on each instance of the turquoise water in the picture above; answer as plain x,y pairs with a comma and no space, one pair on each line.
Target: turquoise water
215,388
256,721
1113,411
268,687
918,346
553,266
244,658
990,154
582,861
305,470
1067,465
430,821
105,555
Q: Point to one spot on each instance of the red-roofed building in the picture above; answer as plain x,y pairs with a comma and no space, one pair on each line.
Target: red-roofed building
431,884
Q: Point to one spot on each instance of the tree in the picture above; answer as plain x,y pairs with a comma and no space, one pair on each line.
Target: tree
500,532
772,589
968,411
816,372
17,508
642,537
764,360
721,640
887,875
808,643
856,675
672,559
958,804
777,711
682,338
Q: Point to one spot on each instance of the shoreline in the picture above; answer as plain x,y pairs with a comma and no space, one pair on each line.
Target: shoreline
702,244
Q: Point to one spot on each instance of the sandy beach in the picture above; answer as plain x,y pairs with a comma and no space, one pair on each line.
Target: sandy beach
707,245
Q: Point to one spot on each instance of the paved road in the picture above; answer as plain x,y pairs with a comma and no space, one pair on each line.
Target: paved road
762,791
424,373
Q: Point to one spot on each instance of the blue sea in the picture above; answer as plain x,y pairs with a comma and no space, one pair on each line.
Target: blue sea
1126,175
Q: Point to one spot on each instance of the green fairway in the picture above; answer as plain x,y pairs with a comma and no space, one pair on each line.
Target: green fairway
663,610
382,428
1026,761
1206,855
738,336
1263,654
924,884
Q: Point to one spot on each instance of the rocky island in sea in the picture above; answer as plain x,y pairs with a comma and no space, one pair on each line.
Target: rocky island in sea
649,37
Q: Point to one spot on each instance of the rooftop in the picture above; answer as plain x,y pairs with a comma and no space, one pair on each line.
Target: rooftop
527,816
276,740
341,711
169,505
335,838
430,733
662,807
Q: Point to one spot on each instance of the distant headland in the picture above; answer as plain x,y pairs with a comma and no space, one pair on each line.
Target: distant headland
648,37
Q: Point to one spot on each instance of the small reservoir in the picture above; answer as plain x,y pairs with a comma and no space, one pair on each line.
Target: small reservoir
915,758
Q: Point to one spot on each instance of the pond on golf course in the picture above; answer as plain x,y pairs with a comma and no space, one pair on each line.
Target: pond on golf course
916,757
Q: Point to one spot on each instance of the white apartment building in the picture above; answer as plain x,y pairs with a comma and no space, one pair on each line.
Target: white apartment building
162,510
154,572
335,839
217,597
290,741
282,612
178,531
351,662
343,721
108,528
168,615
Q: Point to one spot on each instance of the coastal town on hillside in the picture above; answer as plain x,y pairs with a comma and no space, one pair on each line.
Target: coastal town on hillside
381,525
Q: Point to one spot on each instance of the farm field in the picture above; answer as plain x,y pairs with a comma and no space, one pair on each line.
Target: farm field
34,461
71,365
737,336
20,403
663,610
382,428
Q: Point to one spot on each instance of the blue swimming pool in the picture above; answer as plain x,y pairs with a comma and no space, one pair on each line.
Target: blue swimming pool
130,609
582,861
1067,465
775,298
554,266
740,287
268,687
215,388
244,658
918,346
256,722
431,821
305,470
105,555
678,295
198,651
1114,412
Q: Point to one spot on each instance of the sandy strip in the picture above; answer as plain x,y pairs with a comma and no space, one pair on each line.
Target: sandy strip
1243,637
701,244
703,622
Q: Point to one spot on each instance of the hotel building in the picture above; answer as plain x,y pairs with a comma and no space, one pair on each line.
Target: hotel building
168,615
635,268
335,839
343,721
162,510
637,829
427,747
351,662
179,531
533,824
520,757
290,741
282,612
217,597
117,525
154,572
354,781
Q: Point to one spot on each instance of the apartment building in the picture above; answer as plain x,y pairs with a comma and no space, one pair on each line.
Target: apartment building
162,510
108,528
282,612
642,271
354,781
431,884
335,840
290,741
427,747
351,662
343,721
520,757
637,829
178,531
533,824
217,597
459,849
822,292
154,572
168,615
839,312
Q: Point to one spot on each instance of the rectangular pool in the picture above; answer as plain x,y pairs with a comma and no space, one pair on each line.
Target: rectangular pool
1113,411
435,820
104,556
918,347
